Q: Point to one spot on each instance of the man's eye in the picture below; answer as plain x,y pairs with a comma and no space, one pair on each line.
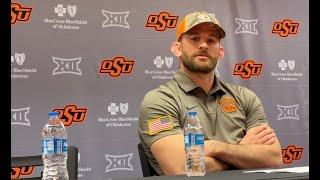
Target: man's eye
212,40
194,38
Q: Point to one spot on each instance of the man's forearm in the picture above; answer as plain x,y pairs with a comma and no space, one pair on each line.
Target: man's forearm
247,155
214,164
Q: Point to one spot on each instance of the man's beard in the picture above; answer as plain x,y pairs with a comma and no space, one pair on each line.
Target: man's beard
190,63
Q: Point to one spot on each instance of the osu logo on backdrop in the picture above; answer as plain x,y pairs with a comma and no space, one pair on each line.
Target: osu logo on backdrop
162,21
285,28
116,66
292,152
16,172
247,69
19,13
71,113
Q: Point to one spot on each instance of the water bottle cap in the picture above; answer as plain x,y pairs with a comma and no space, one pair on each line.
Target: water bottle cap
192,113
53,113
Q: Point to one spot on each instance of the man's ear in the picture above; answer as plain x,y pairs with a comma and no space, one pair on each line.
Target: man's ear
221,53
176,48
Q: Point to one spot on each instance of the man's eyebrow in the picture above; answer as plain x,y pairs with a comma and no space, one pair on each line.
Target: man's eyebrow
214,35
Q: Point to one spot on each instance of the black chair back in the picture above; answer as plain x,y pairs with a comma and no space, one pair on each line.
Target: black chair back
27,161
147,169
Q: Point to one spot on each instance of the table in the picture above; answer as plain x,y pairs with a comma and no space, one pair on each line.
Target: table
231,175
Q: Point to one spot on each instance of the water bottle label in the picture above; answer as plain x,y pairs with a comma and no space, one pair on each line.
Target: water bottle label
191,137
57,146
186,140
199,139
47,146
64,146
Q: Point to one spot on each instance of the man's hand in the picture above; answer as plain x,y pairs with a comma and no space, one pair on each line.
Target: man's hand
169,153
259,148
262,134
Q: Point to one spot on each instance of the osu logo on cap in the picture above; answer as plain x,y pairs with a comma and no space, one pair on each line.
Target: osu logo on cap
16,172
285,28
162,21
19,13
247,69
116,66
228,105
71,113
291,153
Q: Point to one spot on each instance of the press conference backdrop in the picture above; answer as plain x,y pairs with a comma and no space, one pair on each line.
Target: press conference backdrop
93,62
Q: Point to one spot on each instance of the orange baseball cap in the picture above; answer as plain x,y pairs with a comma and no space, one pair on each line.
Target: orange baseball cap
193,19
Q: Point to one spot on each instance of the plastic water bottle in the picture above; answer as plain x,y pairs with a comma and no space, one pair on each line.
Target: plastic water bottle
194,146
54,149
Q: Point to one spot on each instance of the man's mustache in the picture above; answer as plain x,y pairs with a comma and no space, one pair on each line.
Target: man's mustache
202,53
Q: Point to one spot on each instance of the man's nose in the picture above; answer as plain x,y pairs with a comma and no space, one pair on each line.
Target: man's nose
203,45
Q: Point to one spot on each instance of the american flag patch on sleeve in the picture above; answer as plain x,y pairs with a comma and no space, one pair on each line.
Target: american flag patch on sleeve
159,124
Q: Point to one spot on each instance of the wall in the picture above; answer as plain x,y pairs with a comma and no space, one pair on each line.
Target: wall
59,47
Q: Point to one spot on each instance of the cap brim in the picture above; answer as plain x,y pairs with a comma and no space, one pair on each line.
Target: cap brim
220,30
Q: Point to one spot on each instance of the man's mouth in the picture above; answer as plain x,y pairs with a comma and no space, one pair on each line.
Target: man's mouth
203,55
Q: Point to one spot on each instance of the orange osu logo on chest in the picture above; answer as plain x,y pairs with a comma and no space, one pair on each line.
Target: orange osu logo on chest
228,105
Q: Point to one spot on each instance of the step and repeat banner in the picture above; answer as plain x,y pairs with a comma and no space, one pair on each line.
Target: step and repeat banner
93,62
